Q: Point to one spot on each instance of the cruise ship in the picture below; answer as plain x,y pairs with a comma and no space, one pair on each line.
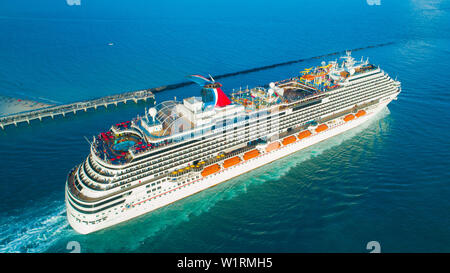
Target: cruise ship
178,148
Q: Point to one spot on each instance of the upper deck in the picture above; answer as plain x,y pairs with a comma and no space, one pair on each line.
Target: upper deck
172,122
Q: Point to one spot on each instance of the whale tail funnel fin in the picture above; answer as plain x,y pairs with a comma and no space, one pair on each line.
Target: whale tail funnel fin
212,93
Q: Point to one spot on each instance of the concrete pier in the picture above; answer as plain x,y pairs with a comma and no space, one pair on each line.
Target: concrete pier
53,111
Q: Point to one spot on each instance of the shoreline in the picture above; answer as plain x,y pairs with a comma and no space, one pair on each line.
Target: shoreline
11,105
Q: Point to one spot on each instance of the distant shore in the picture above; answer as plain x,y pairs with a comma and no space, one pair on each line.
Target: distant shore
9,105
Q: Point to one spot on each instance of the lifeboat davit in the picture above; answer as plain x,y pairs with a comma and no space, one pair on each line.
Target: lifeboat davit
349,117
304,134
231,162
321,128
251,154
273,146
360,113
210,170
289,140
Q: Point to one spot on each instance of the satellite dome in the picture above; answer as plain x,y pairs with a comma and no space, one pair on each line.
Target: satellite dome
152,112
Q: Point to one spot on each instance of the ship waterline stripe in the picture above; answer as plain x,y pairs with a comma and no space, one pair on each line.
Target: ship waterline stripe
96,204
97,210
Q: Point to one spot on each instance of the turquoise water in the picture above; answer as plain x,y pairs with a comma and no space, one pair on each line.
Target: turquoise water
387,181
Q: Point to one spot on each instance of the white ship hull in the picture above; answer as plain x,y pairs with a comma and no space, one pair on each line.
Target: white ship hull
190,188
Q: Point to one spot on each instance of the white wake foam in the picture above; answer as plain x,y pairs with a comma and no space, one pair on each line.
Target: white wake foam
33,231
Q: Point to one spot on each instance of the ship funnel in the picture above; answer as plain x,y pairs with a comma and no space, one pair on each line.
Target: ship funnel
212,94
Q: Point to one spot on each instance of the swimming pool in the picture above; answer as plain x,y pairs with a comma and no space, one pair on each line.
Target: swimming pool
124,145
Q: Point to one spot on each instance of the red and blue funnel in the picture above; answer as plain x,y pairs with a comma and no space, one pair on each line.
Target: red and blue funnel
212,94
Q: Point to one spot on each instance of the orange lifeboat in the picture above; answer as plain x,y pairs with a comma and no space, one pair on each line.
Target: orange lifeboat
251,154
304,134
360,113
273,146
231,162
210,170
308,77
289,140
321,127
349,117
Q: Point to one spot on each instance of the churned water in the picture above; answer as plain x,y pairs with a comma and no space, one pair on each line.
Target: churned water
386,181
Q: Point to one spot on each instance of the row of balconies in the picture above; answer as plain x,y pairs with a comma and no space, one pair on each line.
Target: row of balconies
218,146
320,108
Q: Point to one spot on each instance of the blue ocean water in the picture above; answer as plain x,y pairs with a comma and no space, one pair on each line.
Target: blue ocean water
387,181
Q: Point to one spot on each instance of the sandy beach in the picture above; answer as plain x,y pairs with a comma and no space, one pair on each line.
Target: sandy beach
9,105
